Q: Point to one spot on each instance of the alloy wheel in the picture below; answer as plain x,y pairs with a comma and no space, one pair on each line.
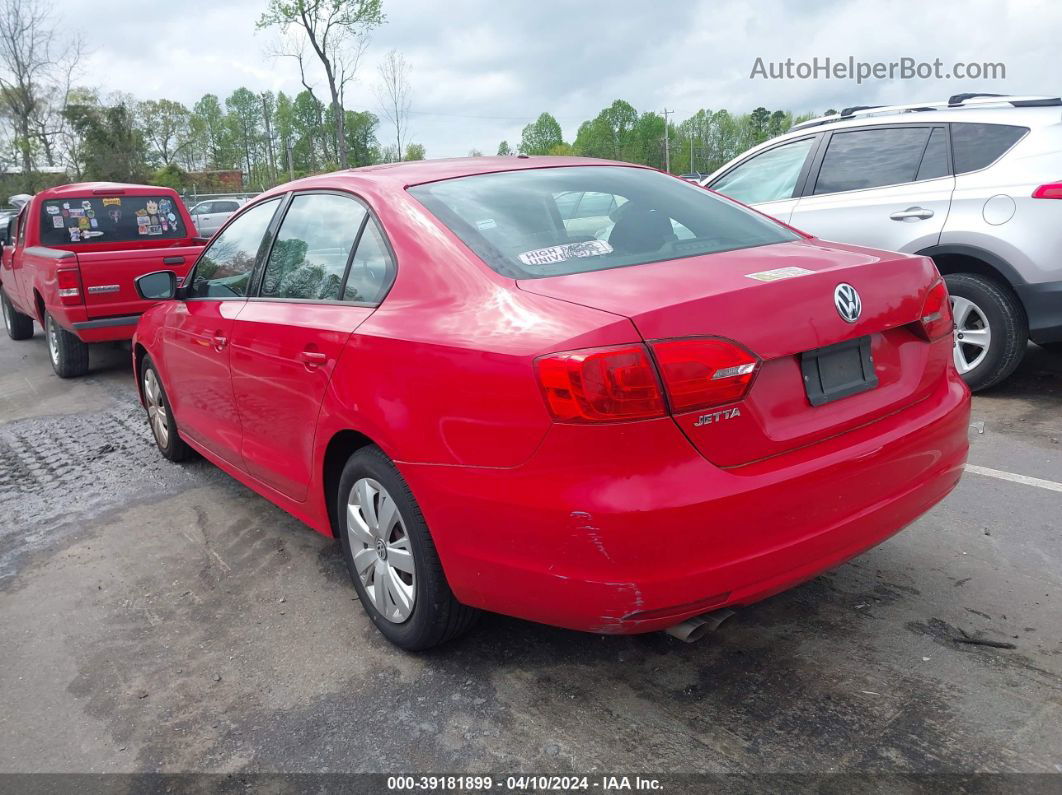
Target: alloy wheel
156,408
973,335
380,546
53,340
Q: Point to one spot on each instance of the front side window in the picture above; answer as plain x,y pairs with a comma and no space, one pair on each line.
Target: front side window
978,145
110,219
224,269
512,222
312,248
767,177
871,158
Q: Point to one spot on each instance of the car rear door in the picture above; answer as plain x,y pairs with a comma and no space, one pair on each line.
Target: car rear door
771,179
198,331
327,268
889,187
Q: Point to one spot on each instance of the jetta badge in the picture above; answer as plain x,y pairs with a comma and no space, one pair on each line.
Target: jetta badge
846,299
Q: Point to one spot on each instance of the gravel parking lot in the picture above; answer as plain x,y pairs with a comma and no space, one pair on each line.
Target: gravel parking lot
163,617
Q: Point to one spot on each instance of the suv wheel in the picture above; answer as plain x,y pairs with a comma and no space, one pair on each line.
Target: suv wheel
391,557
69,355
990,329
18,325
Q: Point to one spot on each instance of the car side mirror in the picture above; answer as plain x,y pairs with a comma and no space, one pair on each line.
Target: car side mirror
157,286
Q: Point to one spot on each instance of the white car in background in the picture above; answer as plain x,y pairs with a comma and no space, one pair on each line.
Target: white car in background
973,182
209,216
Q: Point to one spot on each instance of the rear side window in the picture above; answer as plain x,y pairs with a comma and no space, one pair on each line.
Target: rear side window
975,146
871,158
313,247
225,207
110,219
224,269
935,160
766,177
515,220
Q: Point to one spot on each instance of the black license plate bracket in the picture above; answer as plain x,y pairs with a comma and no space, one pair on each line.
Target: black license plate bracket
838,371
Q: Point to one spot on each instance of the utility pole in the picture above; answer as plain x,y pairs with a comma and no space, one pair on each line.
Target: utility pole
692,169
667,143
291,164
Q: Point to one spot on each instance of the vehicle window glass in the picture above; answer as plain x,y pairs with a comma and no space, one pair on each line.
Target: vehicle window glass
935,160
506,218
871,158
311,250
202,208
225,207
975,146
109,219
22,216
13,230
224,269
371,269
769,176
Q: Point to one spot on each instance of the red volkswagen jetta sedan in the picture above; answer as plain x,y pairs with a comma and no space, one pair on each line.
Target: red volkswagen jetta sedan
574,391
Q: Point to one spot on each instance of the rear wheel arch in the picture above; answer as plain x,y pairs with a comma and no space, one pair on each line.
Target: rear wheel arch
970,259
38,304
139,354
340,448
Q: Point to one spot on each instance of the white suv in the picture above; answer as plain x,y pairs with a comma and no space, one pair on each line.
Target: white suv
969,182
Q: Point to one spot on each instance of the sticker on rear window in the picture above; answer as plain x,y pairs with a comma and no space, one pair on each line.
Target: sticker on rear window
564,252
778,273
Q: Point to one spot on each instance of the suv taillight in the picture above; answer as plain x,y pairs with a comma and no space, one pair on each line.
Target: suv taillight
68,281
601,385
704,371
936,312
620,383
1052,190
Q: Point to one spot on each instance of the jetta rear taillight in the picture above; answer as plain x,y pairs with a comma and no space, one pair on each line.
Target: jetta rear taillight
1052,190
601,385
704,371
936,312
68,281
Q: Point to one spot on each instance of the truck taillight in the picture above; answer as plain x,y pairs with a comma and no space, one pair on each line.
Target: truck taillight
601,385
1052,190
936,312
704,371
69,284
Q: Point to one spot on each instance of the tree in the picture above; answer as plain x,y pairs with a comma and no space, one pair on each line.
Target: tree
394,94
337,32
243,117
474,153
415,152
34,79
113,149
361,138
166,127
541,135
503,148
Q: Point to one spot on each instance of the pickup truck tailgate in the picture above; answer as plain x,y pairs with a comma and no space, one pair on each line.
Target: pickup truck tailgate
108,276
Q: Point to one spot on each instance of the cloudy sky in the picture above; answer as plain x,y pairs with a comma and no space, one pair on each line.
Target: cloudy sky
484,68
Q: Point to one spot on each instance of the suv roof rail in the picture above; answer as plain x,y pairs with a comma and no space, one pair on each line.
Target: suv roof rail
954,102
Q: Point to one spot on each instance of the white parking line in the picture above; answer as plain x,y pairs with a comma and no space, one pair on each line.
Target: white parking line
1050,485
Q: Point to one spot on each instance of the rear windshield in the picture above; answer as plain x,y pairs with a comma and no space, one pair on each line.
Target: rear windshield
555,221
109,219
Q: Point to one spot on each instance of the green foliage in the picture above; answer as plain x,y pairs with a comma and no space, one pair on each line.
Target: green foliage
171,176
541,135
112,147
415,152
503,148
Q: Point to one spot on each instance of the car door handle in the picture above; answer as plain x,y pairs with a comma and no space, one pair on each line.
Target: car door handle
219,342
313,358
912,214
173,260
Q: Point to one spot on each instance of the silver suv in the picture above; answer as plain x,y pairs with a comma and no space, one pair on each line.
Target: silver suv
969,182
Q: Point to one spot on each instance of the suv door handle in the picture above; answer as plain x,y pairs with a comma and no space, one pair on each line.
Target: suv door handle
313,358
912,214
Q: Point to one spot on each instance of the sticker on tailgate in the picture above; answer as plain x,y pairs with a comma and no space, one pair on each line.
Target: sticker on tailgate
778,273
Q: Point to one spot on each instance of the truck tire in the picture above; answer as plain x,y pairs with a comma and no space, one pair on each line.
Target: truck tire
18,325
409,602
69,355
160,415
991,331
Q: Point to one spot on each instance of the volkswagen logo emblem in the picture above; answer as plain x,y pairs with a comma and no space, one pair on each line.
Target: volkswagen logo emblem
846,299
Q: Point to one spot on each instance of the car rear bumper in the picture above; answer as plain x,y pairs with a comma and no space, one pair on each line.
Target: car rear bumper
626,528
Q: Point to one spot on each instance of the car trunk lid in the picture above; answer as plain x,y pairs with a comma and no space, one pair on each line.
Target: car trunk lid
778,302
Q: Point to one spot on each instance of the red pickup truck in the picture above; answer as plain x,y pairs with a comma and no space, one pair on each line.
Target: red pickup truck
73,255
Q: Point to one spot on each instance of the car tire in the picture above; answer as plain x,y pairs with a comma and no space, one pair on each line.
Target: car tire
18,325
410,603
981,304
160,415
69,355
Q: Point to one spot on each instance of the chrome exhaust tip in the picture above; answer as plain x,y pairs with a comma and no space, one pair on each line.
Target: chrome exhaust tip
694,629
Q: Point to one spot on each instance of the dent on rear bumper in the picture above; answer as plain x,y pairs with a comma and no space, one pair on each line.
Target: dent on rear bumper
604,523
